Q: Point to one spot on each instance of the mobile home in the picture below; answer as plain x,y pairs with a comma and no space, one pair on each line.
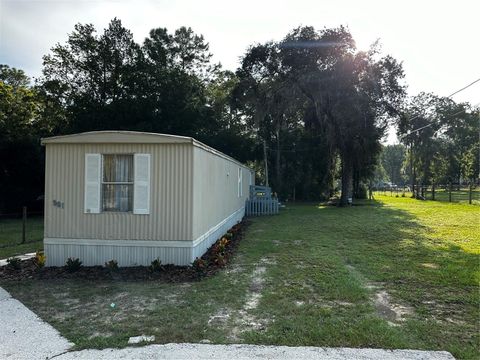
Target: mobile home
134,197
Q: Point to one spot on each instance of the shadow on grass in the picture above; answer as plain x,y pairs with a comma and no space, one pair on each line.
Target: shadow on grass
389,247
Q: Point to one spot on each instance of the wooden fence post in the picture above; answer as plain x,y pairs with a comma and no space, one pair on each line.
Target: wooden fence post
24,223
450,192
470,193
433,190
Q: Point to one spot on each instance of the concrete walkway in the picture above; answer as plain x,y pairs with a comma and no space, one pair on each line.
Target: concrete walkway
23,257
23,335
250,352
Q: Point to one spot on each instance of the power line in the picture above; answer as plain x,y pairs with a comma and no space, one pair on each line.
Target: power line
431,124
466,87
449,96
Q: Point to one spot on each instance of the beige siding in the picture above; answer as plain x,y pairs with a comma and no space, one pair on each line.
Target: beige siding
215,190
171,189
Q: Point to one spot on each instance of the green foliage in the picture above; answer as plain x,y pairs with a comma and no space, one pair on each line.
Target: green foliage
443,139
14,263
332,100
72,265
21,159
220,259
393,157
156,265
112,265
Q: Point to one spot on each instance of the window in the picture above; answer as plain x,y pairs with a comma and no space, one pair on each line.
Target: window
117,183
240,186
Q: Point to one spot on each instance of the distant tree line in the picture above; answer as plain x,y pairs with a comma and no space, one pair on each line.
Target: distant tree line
312,102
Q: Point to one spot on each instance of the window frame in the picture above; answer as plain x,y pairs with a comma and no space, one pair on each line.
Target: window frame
102,182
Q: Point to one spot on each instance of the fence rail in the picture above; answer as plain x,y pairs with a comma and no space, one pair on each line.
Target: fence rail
261,207
447,193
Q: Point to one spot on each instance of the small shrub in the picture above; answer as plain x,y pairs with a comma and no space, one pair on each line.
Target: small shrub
112,265
222,244
229,235
40,259
220,260
219,247
156,265
73,264
14,263
200,265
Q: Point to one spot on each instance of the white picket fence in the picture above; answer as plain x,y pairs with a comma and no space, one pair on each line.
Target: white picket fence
259,207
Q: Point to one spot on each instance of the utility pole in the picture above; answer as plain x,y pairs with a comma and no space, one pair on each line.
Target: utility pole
266,162
412,176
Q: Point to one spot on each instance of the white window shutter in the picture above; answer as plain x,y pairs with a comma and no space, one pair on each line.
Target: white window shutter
141,187
93,173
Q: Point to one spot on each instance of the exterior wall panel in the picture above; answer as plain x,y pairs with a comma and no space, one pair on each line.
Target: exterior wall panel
171,187
215,190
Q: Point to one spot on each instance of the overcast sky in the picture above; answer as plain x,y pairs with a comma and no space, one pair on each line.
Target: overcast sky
437,41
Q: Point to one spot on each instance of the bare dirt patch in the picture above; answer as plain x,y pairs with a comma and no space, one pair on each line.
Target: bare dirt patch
97,334
234,269
390,311
445,313
220,318
243,319
430,265
394,313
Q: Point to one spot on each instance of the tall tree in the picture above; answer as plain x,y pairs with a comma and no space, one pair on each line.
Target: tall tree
353,95
21,161
393,157
442,137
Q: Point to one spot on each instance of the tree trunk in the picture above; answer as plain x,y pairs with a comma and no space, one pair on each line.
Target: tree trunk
278,173
347,177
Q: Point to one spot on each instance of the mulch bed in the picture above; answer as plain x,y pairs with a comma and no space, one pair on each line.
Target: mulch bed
208,265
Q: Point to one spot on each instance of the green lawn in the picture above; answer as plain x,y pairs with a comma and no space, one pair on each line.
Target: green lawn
11,236
461,195
395,273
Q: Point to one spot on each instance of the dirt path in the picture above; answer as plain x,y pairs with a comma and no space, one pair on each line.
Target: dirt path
385,307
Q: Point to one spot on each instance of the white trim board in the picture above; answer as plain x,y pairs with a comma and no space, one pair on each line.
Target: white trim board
96,242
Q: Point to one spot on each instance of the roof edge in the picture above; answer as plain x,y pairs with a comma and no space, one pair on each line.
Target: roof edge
83,138
68,138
